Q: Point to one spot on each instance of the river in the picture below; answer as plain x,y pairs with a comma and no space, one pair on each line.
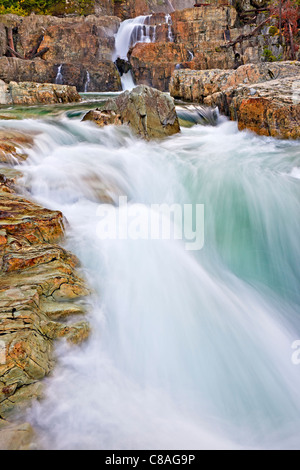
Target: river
190,349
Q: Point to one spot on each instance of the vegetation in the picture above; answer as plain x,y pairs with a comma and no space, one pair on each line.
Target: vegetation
287,13
45,7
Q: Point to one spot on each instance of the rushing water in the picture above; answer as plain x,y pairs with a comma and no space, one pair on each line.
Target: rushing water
189,349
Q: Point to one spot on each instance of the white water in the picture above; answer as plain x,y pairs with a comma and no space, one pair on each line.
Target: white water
188,350
87,82
59,77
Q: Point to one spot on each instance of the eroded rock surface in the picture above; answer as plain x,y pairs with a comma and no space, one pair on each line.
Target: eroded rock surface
40,286
29,93
150,113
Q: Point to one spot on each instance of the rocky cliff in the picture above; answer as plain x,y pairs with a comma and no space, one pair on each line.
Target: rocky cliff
70,50
263,98
200,38
78,50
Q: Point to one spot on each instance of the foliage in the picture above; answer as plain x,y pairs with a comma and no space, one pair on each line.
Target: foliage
290,14
44,7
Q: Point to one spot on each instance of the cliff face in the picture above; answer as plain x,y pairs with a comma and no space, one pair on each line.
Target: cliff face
125,9
74,51
199,38
77,50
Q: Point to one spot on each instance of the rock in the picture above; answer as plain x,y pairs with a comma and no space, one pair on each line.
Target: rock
269,108
28,93
153,64
40,287
150,113
79,40
16,436
13,145
125,9
263,98
81,45
196,85
102,75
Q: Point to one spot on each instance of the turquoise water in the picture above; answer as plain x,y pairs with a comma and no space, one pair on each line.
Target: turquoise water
190,349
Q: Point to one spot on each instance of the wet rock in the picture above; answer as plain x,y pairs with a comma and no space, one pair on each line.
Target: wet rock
16,436
149,113
79,44
13,145
40,287
263,98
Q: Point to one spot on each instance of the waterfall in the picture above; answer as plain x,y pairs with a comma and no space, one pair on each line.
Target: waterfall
59,77
191,55
130,33
189,350
170,5
87,82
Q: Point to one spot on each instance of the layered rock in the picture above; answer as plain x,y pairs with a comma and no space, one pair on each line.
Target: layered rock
269,108
153,64
262,98
79,47
198,38
125,9
28,93
196,85
150,113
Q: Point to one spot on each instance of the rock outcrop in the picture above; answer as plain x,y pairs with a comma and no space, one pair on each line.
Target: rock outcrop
40,287
269,108
198,39
150,113
262,98
29,93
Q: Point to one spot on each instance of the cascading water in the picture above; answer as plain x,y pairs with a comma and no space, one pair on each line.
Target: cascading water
130,33
87,82
169,23
188,350
59,77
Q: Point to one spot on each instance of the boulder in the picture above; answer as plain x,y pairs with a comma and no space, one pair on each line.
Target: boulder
150,113
29,93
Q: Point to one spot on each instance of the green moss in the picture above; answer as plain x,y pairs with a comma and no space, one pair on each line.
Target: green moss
273,30
269,56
